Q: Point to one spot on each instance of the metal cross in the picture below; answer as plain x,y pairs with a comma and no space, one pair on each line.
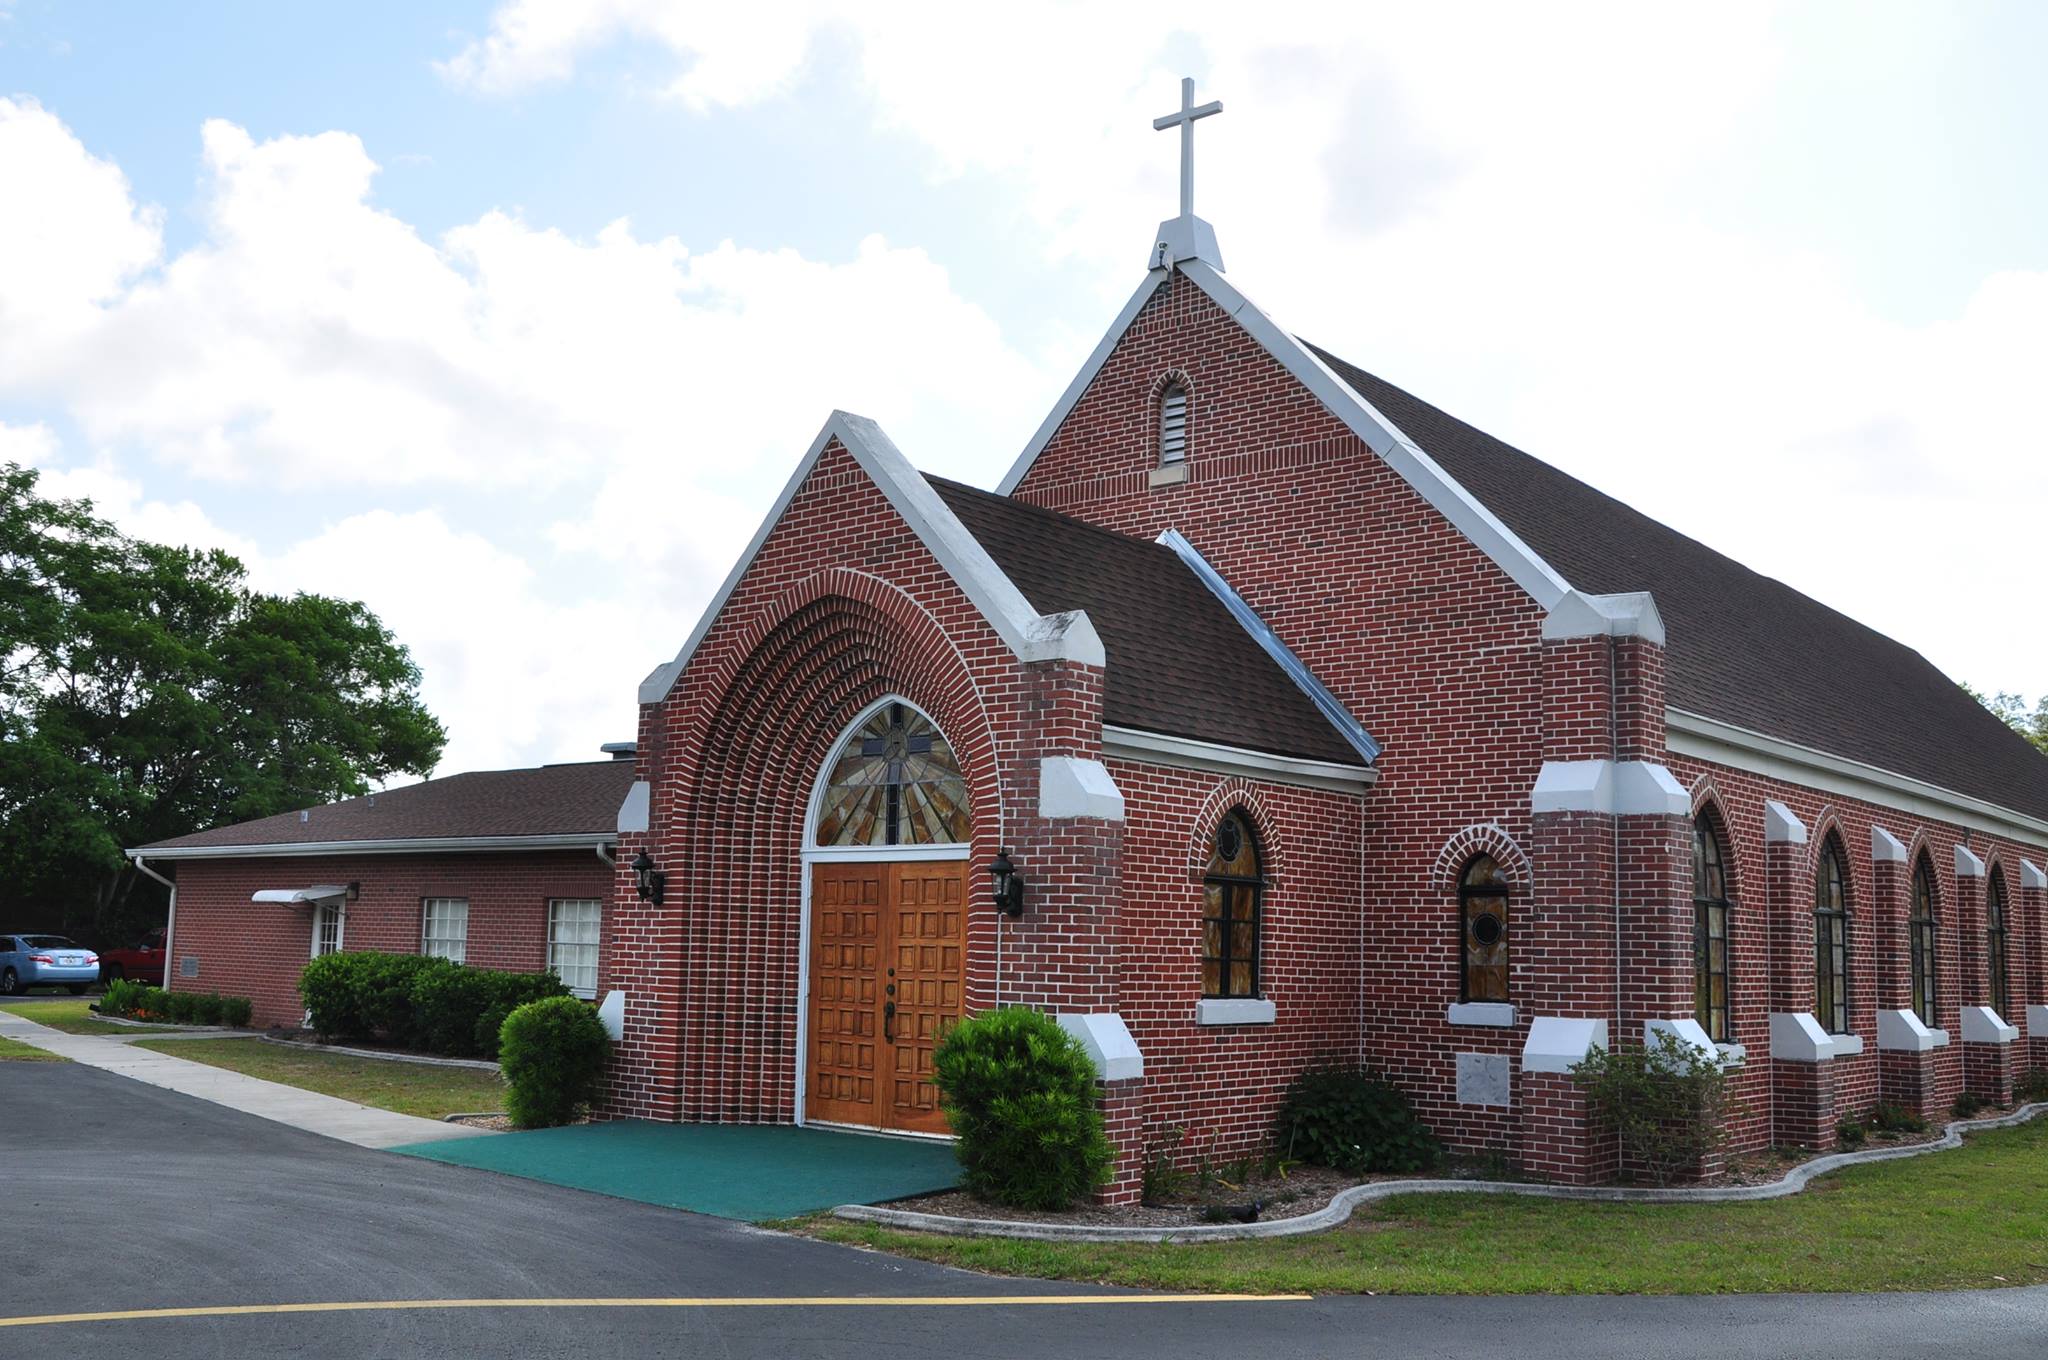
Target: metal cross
1185,121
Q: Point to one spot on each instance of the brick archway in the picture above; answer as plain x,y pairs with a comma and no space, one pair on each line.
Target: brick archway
738,790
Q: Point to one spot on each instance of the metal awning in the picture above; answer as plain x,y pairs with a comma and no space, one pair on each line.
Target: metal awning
299,897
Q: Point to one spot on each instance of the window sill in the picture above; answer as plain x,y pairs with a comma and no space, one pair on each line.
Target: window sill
1499,1014
1845,1045
1173,474
1234,1011
1732,1056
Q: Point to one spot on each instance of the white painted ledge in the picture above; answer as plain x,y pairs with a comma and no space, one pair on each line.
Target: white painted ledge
1781,825
1732,1055
1109,1043
1499,1014
1903,1032
2031,875
2037,1022
1982,1025
611,1013
1627,788
1846,1045
1073,786
1688,1032
633,812
1173,474
1629,614
1886,848
1967,863
1235,1011
1798,1037
1558,1043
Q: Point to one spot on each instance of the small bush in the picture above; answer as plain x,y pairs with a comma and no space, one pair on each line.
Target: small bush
416,1002
2032,1086
1849,1134
122,997
1969,1105
1019,1092
1356,1121
553,1052
1896,1119
1665,1102
236,1010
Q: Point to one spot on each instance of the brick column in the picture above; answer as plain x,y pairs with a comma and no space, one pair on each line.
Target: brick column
1987,1052
1987,1071
1123,1119
1906,1076
1559,1142
2030,974
1802,1068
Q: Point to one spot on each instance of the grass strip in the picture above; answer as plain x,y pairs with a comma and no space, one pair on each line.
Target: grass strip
385,1084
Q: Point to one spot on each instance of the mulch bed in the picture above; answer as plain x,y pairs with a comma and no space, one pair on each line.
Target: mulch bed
498,1123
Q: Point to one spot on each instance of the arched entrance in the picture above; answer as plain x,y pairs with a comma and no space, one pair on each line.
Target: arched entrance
886,866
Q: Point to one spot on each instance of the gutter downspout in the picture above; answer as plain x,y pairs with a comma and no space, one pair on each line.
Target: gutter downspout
171,922
604,852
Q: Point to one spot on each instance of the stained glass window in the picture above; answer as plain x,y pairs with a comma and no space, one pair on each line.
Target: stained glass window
1831,940
1920,942
1230,911
1994,945
895,782
1709,931
1483,903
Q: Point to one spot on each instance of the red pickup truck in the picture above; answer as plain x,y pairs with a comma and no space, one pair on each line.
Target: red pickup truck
144,963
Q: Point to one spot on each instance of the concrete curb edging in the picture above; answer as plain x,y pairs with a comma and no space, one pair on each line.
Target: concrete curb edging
1340,1208
475,1064
152,1026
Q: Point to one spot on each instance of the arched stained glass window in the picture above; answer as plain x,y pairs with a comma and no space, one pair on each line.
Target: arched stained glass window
1231,890
895,782
1994,945
1831,940
1920,942
1483,905
1709,930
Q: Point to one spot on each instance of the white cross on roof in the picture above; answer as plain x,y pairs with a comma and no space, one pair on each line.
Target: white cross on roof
1186,237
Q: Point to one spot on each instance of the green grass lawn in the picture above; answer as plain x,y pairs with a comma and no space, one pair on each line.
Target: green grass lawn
408,1088
1973,1218
13,1050
73,1017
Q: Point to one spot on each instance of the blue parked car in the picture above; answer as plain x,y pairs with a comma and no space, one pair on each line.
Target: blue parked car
45,961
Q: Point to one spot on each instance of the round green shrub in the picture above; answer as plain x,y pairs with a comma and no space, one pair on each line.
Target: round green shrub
553,1053
1019,1092
1354,1120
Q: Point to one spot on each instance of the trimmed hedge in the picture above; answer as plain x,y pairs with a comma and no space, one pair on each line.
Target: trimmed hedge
138,1001
412,1001
1020,1094
553,1052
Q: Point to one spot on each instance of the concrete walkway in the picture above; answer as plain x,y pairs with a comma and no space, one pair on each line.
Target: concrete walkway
309,1110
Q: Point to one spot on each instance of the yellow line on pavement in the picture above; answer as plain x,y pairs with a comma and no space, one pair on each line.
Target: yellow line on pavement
392,1305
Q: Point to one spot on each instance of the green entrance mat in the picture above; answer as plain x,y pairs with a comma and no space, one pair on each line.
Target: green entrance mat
753,1172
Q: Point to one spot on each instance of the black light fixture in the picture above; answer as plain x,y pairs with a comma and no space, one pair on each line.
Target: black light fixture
1007,885
650,883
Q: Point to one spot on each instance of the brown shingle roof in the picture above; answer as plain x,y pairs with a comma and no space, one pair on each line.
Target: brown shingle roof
1743,648
554,800
1178,663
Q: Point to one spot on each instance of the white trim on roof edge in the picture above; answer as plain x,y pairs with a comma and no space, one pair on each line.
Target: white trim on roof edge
416,845
1031,635
1156,748
1329,705
1099,356
1402,454
1704,738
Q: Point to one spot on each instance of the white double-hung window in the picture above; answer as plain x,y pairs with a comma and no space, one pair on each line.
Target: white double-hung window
444,928
572,943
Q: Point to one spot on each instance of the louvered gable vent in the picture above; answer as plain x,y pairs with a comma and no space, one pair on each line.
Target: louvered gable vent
1173,424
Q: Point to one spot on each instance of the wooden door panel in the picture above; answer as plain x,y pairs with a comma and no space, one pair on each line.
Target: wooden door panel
847,924
883,935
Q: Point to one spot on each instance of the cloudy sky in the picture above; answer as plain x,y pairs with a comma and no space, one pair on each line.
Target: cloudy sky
510,319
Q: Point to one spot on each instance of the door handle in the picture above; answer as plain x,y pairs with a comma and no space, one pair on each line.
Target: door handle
889,1021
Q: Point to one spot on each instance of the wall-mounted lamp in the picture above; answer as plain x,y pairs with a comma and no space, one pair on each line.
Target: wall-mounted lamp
1007,885
647,881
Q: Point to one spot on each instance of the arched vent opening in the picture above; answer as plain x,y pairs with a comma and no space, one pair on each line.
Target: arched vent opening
1173,424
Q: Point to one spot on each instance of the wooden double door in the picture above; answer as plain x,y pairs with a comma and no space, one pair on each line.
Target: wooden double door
888,975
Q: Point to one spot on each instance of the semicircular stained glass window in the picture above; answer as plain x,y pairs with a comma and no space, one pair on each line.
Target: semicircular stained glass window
896,781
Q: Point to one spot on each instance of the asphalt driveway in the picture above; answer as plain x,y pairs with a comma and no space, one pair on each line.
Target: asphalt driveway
125,1197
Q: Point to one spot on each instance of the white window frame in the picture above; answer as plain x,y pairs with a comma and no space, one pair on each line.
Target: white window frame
322,913
448,944
595,922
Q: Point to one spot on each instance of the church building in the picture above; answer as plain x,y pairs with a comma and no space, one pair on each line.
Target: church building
1301,722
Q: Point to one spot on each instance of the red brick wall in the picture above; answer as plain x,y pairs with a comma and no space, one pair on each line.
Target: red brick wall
256,950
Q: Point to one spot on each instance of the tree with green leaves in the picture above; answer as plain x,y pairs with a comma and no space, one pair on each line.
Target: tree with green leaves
148,691
2012,710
